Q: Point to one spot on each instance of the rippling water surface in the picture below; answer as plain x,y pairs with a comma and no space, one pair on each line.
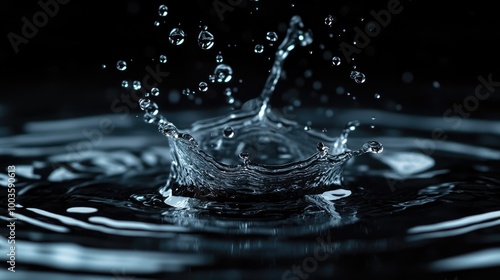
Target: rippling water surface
95,213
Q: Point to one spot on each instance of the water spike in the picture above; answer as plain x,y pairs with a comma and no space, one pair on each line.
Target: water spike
295,35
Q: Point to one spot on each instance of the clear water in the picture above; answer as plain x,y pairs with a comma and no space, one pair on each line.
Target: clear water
126,207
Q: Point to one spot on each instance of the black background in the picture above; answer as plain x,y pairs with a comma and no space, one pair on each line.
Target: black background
58,73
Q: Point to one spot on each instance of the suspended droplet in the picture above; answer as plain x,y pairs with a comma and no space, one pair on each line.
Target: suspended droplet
228,132
324,130
156,23
136,85
223,73
125,84
163,10
205,40
163,58
358,77
186,91
144,103
373,147
150,118
155,91
307,128
436,84
211,78
336,61
176,36
272,36
329,20
121,65
219,58
377,96
152,109
103,66
202,86
322,147
259,48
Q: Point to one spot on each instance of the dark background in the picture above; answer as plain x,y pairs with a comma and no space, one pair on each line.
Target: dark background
58,73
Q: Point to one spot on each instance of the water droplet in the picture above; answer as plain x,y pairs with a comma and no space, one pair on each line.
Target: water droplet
136,85
219,58
336,61
156,23
121,65
322,147
144,103
272,36
103,66
152,109
259,48
150,118
307,128
377,96
330,20
436,84
228,132
202,86
163,58
324,130
155,91
373,147
223,73
163,10
211,78
205,40
176,36
186,91
358,77
125,84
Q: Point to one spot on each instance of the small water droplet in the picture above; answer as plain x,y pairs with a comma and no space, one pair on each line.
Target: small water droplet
219,58
358,77
202,86
223,73
156,23
436,84
373,147
259,48
336,61
150,118
228,132
211,78
307,128
176,36
324,130
205,40
322,147
121,65
373,118
152,109
136,85
163,58
144,103
186,91
163,10
155,91
272,36
377,96
125,84
329,20
103,66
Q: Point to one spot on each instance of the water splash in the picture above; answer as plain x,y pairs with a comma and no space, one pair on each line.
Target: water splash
254,153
